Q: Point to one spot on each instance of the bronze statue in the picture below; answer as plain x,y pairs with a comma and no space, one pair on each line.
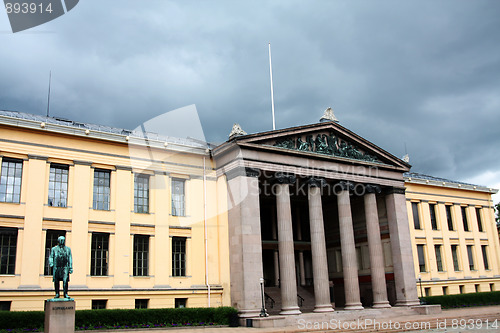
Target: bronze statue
61,262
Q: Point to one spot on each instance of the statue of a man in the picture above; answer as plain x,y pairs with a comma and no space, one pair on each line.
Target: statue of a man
61,262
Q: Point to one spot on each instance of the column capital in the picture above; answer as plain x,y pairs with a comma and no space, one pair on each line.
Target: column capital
316,182
369,188
346,186
243,171
395,190
282,178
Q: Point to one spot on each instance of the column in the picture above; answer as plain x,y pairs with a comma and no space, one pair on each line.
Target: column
160,242
399,230
377,266
302,271
349,260
289,305
80,224
34,173
122,237
318,248
275,254
245,243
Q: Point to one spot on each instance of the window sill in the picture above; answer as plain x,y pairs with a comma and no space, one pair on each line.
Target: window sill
182,277
142,276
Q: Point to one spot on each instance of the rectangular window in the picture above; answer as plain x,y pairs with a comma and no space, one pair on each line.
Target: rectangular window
449,218
141,303
427,291
102,189
461,289
479,221
8,246
484,250
476,286
178,197
421,258
178,256
51,241
470,255
99,254
464,218
98,304
416,218
141,255
445,290
180,302
432,209
439,259
454,254
58,185
5,305
10,180
141,194
492,287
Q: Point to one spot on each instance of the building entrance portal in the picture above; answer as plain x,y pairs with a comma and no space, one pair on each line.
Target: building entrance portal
336,291
320,214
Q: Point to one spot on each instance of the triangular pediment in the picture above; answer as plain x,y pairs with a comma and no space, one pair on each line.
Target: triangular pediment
322,140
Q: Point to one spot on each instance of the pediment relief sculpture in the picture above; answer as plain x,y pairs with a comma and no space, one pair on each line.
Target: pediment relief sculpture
328,144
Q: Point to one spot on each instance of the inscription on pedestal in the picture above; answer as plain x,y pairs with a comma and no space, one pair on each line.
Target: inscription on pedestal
59,316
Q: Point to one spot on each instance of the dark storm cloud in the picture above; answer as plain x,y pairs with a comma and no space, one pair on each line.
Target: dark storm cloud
424,73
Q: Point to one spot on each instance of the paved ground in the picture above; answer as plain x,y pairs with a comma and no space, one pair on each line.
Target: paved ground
478,319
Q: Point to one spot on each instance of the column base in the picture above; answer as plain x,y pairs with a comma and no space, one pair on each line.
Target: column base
354,306
381,305
408,303
248,313
323,308
290,311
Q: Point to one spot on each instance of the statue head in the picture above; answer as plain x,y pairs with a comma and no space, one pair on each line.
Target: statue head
61,240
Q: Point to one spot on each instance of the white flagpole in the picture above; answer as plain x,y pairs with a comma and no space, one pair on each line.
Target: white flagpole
272,93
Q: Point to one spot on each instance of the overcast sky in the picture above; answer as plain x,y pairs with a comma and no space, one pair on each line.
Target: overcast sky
424,73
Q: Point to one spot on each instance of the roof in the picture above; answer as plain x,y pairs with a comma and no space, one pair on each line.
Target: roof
67,126
419,178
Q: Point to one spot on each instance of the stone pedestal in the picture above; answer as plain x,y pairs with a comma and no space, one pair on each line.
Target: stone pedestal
59,315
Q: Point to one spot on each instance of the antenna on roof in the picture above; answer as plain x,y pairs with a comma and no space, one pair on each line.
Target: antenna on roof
48,96
272,94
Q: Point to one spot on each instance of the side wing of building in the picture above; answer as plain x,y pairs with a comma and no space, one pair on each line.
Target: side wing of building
454,236
144,221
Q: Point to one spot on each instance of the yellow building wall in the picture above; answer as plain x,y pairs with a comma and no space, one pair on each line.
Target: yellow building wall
205,215
450,281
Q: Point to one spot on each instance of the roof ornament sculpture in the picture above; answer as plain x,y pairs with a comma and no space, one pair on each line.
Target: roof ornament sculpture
236,131
328,116
406,158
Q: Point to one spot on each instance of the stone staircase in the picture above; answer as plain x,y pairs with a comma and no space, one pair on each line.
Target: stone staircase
305,299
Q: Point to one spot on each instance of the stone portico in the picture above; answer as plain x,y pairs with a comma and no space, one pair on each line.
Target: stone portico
304,204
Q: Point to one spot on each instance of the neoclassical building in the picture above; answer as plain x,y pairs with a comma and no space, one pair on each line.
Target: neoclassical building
315,215
301,199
